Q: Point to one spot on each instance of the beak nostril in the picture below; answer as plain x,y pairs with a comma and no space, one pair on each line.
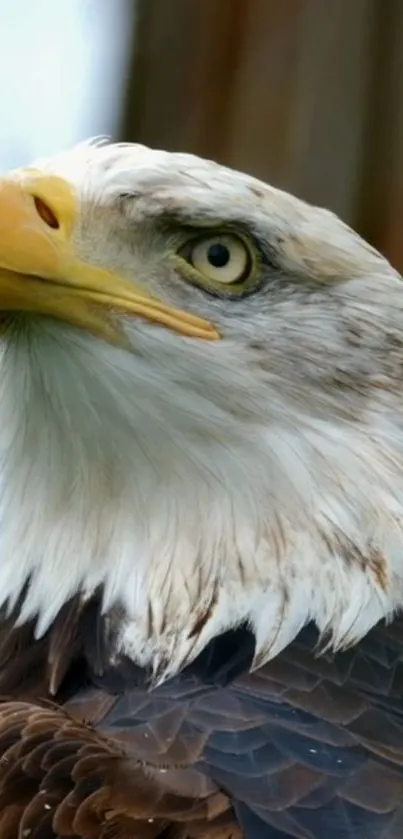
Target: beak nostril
47,215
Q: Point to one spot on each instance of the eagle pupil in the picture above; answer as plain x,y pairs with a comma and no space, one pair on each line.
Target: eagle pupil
218,255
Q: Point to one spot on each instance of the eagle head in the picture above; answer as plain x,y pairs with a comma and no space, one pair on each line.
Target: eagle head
200,406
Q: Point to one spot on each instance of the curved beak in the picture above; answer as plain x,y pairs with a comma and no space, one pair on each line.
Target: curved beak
40,271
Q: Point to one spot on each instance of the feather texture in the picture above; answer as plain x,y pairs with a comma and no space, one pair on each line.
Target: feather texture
308,746
194,480
198,540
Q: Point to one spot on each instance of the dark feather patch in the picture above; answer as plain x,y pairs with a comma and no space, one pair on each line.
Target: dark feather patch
308,746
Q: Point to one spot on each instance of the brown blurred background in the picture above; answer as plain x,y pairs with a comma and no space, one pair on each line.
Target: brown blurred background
307,94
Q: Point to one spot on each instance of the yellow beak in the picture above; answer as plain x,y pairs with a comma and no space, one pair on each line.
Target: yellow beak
39,271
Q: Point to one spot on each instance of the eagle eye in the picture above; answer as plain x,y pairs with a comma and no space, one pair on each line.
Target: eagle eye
220,262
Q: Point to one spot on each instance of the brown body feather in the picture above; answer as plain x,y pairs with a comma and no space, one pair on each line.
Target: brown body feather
309,746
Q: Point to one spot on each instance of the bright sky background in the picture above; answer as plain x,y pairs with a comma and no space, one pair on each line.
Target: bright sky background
62,66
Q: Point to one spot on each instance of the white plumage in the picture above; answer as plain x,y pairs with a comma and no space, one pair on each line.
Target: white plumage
259,477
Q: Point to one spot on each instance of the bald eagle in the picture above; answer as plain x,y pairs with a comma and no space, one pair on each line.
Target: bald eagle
201,532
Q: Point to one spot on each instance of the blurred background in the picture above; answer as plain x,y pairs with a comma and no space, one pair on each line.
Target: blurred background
306,94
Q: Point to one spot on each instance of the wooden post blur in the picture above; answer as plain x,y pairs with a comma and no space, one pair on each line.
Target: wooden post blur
306,94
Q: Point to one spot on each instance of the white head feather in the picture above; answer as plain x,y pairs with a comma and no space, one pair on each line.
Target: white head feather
257,478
